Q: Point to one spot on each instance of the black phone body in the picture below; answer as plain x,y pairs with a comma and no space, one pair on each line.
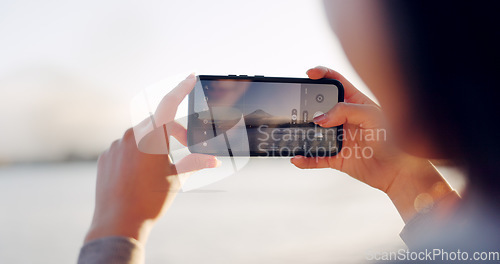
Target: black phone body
262,116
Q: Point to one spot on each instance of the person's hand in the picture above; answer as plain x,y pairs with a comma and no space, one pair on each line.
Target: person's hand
368,155
370,161
134,188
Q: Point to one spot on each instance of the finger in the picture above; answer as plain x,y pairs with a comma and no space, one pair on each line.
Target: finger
195,161
177,131
154,142
351,93
366,116
309,162
302,162
176,96
168,106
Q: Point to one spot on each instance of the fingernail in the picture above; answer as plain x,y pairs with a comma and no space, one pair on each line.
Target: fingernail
213,163
320,119
191,76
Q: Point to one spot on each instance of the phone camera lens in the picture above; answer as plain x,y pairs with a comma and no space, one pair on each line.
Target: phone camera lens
320,98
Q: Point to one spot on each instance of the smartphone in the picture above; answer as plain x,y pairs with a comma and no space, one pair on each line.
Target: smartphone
262,116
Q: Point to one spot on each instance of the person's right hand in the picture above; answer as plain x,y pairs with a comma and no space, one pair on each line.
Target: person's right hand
368,155
370,161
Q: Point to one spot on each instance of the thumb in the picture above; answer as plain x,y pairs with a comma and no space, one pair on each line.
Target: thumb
194,162
367,116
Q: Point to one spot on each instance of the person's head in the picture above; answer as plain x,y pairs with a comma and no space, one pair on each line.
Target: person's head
431,66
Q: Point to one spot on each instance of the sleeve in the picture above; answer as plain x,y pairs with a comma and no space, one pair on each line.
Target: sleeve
427,223
112,250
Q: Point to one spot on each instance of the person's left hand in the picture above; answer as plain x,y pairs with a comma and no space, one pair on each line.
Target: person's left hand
134,188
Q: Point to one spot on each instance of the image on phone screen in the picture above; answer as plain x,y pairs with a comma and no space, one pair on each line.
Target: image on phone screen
264,117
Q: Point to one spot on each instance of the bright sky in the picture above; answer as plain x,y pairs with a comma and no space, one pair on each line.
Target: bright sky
69,69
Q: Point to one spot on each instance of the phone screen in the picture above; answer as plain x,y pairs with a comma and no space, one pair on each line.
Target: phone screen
262,117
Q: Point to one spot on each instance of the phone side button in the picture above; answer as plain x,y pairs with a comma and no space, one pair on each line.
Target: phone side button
259,76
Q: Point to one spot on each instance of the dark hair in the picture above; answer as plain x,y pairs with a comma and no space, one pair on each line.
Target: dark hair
450,56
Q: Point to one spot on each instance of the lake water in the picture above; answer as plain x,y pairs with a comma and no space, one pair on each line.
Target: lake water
270,212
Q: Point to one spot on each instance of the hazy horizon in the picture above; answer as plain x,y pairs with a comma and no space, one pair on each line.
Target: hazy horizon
69,70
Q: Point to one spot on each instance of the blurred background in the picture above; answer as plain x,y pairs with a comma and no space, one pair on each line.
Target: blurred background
68,71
